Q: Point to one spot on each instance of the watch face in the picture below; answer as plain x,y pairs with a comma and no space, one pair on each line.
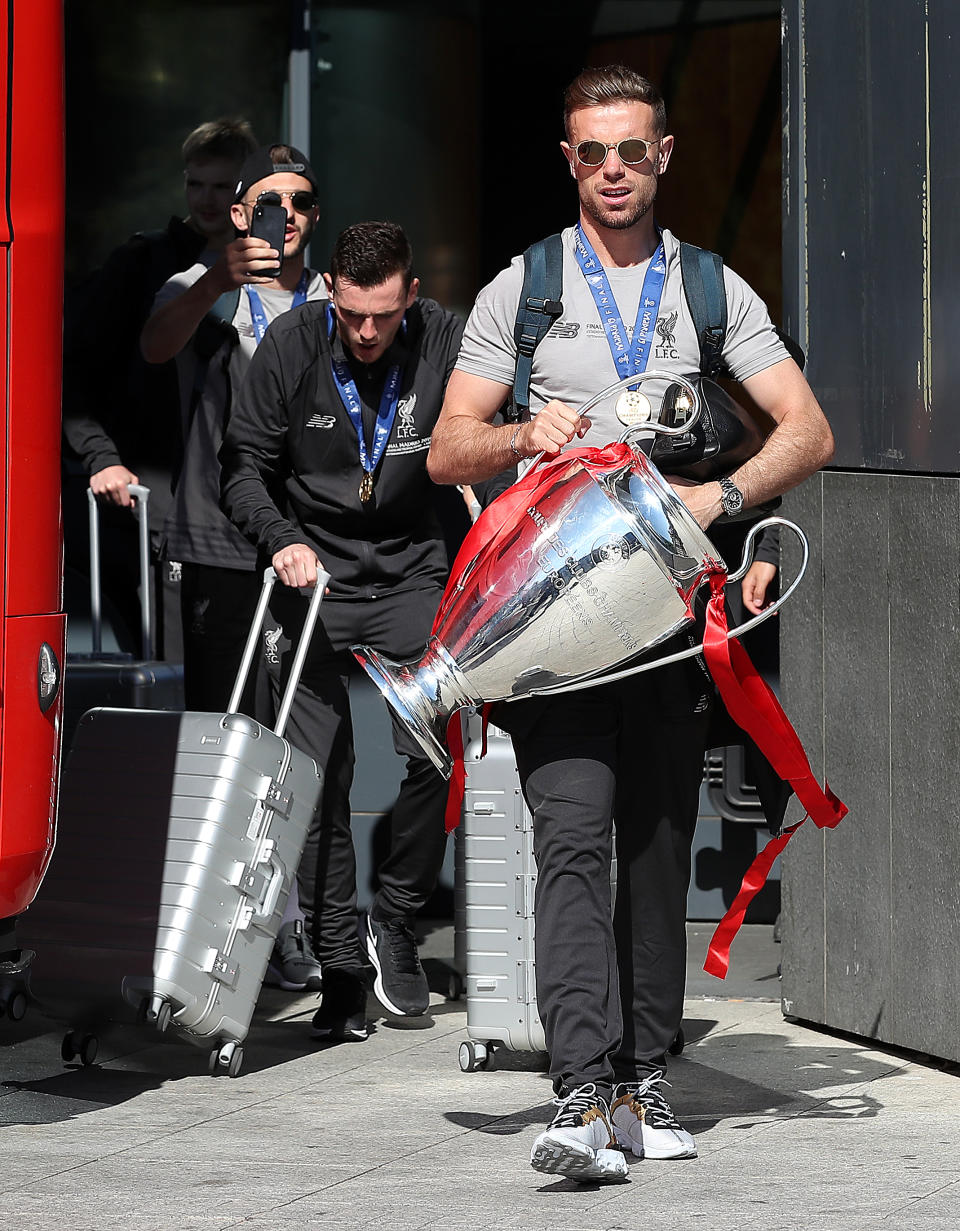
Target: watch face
732,497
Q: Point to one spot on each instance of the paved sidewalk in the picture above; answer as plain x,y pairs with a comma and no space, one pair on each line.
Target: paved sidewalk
795,1128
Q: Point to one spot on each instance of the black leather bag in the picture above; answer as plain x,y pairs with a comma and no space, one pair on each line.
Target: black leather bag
723,438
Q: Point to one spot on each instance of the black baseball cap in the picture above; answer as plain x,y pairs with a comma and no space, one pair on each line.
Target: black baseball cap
260,164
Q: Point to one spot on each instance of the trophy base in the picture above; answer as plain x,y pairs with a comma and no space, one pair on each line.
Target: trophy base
400,690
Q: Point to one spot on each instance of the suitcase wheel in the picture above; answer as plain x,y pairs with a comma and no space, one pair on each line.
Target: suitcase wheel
229,1056
475,1056
159,1012
14,1005
79,1047
677,1046
455,987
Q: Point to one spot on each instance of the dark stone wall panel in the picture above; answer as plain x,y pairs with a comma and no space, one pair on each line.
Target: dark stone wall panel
880,333
925,760
869,656
801,683
857,746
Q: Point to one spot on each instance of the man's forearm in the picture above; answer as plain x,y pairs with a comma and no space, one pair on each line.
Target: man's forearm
786,459
799,444
90,441
466,450
791,453
172,326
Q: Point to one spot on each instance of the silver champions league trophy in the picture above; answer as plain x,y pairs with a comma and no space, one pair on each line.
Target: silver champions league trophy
588,572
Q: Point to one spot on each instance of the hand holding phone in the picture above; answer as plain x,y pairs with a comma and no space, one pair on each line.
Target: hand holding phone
270,223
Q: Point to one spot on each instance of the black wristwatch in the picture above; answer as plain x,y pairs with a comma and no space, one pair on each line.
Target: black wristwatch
731,498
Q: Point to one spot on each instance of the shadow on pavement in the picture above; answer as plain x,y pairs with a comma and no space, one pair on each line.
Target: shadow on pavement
703,1094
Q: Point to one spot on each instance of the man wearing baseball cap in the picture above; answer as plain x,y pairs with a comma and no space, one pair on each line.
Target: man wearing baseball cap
211,319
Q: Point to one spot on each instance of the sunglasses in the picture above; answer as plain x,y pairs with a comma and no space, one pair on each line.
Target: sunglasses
301,200
631,150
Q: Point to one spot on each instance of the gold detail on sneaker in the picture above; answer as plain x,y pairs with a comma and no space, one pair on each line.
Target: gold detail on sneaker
632,1103
595,1113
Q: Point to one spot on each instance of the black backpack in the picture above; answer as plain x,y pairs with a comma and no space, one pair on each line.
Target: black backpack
725,434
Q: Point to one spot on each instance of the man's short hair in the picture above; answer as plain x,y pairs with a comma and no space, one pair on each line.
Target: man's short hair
613,83
230,137
368,253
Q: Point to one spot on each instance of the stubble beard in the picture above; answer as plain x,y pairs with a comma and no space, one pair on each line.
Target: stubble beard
302,242
617,221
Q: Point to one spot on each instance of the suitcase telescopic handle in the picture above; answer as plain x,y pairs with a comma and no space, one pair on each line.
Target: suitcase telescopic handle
140,511
253,638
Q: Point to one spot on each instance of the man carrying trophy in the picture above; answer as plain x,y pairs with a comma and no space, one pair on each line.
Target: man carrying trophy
610,992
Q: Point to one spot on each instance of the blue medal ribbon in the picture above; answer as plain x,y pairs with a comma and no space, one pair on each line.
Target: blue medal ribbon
257,314
389,400
628,360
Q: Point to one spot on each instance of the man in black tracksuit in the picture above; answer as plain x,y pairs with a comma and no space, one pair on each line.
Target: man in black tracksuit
324,461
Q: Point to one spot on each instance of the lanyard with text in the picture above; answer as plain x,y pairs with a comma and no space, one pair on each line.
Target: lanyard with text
389,400
257,314
629,360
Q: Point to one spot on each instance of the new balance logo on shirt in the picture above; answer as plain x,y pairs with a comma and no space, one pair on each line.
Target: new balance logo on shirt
325,421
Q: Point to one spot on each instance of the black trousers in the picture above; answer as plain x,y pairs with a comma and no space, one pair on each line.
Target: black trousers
217,606
610,991
397,625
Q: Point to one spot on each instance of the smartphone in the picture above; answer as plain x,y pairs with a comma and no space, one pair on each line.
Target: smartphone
270,223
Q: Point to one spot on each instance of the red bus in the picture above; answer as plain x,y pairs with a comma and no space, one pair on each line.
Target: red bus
32,623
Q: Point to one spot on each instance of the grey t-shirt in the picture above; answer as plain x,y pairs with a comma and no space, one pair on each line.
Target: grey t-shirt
573,362
274,300
196,530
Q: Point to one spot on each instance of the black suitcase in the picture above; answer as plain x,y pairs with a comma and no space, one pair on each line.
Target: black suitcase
103,678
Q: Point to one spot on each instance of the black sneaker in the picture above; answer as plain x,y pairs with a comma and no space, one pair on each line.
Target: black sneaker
400,984
292,963
579,1141
342,1016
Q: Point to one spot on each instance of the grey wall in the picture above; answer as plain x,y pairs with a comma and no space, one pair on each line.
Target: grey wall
871,910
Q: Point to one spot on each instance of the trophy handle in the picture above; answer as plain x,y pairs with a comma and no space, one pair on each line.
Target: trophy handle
651,425
597,678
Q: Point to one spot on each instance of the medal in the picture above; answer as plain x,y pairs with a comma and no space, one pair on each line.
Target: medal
632,407
389,402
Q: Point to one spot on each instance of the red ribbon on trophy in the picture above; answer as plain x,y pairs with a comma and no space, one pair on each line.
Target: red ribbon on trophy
753,706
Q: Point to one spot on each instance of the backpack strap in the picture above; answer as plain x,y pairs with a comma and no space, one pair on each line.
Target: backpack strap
702,274
538,308
225,308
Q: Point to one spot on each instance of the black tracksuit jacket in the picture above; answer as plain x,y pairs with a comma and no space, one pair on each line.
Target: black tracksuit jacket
290,457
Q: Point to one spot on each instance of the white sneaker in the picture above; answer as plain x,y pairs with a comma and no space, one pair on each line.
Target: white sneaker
579,1141
644,1122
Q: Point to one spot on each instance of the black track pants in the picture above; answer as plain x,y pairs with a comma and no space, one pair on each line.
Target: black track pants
397,625
610,992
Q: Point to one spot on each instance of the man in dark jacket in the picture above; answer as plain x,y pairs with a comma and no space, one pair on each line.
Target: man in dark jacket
324,461
120,415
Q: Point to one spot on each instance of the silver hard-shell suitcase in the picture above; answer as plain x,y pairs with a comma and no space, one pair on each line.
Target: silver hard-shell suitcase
494,925
180,835
499,876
